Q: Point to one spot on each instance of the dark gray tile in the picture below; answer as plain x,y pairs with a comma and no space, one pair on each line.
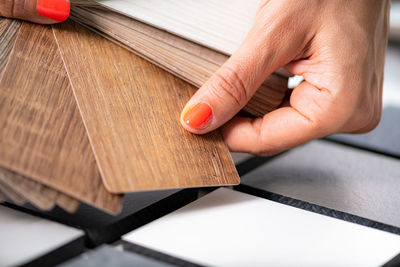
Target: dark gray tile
385,138
335,176
109,256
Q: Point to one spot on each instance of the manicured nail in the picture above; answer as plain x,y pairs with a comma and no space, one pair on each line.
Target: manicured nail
197,116
54,9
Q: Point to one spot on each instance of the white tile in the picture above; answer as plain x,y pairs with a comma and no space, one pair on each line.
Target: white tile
24,237
229,228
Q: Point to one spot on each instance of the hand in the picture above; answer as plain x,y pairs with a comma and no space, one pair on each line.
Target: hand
39,11
339,49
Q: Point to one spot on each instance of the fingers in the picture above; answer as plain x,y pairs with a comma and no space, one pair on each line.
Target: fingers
41,11
313,113
231,87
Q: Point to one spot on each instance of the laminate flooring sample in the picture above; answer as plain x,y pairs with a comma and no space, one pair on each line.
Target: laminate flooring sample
131,111
39,195
220,25
41,133
334,176
25,238
230,228
187,60
8,33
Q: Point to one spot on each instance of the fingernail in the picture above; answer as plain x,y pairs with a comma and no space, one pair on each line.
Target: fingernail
197,116
53,9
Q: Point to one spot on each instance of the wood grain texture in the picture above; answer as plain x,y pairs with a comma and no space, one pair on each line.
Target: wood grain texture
41,133
131,112
40,196
8,34
221,25
187,60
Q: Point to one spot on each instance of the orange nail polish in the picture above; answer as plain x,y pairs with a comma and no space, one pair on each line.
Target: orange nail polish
53,9
197,116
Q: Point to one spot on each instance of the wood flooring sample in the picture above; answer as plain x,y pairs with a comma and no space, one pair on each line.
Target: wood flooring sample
41,133
131,110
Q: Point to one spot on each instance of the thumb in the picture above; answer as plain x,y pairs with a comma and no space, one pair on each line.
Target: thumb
39,11
232,86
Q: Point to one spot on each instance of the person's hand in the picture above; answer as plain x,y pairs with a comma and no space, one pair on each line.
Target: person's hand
339,49
39,11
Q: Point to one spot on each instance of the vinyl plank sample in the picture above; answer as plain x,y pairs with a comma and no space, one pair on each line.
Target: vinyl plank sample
131,112
335,176
39,195
8,33
187,60
41,133
25,237
384,138
230,228
220,25
109,256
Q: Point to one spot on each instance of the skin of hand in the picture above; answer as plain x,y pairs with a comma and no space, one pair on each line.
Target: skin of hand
339,49
38,11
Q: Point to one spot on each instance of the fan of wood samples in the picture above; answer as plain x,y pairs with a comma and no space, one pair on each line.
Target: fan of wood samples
85,118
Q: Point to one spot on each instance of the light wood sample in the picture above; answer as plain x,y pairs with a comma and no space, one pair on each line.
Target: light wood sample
189,61
131,112
8,33
9,192
41,133
219,24
39,195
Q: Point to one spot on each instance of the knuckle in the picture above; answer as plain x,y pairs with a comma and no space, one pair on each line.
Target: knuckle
227,83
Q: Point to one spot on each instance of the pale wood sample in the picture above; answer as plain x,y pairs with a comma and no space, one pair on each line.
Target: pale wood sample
9,192
67,203
187,60
8,34
41,133
40,196
131,112
219,24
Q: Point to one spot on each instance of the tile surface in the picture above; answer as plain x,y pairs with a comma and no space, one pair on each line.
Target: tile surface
335,176
109,256
229,228
24,237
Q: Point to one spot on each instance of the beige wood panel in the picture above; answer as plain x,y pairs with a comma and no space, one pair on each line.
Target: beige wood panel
41,133
131,111
9,192
40,196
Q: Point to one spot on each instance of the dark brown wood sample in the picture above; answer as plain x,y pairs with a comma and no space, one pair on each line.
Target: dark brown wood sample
131,112
41,133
